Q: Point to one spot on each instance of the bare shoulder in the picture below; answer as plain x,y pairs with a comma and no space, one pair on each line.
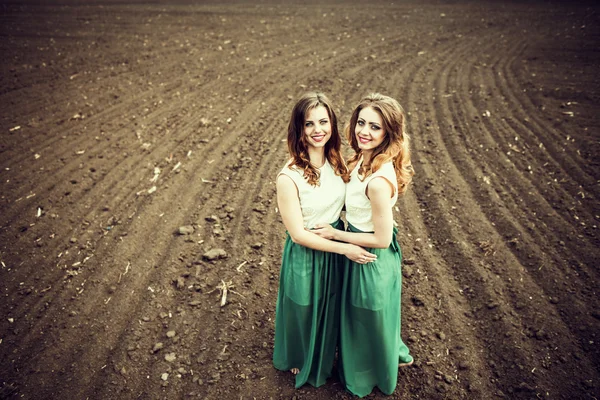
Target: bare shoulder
284,181
380,186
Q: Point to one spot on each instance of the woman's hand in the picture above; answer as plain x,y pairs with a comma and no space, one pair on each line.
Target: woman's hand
326,231
358,254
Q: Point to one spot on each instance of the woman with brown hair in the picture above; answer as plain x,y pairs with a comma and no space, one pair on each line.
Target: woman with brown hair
370,347
311,190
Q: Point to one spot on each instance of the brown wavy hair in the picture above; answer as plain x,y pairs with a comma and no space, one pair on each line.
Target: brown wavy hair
396,143
298,145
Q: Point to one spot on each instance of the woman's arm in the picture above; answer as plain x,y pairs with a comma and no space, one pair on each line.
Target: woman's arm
379,191
291,213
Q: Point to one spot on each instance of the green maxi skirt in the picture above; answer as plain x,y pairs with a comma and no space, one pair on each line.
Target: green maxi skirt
370,345
307,312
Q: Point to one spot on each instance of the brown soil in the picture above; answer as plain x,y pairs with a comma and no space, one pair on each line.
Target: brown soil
499,232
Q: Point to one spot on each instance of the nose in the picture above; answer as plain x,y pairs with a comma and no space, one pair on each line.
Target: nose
317,128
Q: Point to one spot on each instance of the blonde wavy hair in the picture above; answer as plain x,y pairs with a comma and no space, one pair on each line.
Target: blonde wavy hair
395,146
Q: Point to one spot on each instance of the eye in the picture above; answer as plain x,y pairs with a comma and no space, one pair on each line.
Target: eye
360,123
375,127
308,123
324,122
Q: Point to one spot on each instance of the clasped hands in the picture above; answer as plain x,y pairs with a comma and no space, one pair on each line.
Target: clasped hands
326,231
352,251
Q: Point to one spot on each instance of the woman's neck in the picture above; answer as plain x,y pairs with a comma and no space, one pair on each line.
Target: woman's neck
366,162
366,156
316,156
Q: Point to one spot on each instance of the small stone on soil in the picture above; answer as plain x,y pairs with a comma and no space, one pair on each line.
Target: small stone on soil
185,230
215,254
157,347
180,282
212,218
171,334
170,357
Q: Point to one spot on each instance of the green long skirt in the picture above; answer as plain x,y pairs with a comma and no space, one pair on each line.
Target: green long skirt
370,346
307,312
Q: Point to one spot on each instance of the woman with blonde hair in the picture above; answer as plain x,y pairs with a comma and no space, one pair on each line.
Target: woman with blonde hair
370,347
311,190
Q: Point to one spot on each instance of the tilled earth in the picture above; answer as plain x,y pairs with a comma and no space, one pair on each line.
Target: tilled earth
139,144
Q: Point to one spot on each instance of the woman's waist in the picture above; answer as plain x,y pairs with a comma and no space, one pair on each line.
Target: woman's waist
393,244
312,221
337,224
361,222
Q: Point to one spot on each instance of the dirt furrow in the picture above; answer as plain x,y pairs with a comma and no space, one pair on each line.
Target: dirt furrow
230,140
444,220
497,136
522,158
540,254
521,233
120,192
483,293
567,167
564,163
543,249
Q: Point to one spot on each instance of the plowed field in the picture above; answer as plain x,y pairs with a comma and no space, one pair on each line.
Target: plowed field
139,144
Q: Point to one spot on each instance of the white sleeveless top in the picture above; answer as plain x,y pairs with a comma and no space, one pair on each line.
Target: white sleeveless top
358,205
322,203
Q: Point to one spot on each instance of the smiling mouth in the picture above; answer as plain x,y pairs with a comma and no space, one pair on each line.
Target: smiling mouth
363,140
318,138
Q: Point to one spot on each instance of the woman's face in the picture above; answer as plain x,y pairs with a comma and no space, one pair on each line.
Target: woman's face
317,127
369,129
